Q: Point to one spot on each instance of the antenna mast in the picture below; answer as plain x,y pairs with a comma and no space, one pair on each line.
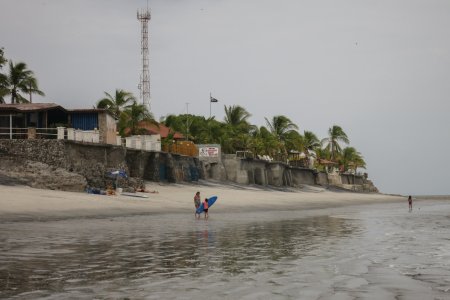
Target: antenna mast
144,85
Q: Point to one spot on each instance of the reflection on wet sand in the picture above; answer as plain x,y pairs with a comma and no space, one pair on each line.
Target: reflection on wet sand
53,257
369,251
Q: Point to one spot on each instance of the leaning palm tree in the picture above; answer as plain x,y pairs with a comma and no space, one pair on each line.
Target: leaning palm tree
352,159
18,82
115,104
335,136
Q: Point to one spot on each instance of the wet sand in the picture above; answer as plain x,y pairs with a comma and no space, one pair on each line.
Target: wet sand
24,203
257,244
363,251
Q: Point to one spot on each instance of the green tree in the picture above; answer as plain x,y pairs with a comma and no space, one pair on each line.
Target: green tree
3,78
115,104
132,116
3,60
335,136
195,128
281,128
310,141
18,82
237,128
236,115
352,159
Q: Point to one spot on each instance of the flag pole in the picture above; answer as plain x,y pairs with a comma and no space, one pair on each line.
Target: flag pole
209,125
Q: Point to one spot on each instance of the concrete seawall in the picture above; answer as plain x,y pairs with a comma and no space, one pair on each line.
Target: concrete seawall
93,161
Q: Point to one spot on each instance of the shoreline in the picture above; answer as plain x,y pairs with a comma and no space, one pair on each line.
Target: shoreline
23,203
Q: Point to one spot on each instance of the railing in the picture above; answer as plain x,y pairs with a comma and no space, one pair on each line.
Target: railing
28,133
143,142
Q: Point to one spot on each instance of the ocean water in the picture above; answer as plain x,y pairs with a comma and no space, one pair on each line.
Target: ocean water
376,251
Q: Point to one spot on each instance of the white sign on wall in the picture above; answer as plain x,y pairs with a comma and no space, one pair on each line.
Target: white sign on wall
208,152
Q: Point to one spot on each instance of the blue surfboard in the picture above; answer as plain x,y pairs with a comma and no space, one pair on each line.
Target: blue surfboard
211,201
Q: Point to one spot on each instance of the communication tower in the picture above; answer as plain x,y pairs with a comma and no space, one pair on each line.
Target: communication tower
144,85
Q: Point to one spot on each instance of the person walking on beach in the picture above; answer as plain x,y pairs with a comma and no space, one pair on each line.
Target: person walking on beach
197,204
205,208
410,203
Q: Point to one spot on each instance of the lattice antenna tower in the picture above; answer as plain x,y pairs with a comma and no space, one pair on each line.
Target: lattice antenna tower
143,16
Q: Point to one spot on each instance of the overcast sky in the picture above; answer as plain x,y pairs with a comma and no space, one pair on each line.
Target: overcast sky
380,69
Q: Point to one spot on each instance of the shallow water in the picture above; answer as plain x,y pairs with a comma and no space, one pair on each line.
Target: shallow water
377,251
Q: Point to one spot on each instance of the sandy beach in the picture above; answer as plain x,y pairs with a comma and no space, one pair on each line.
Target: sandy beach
259,243
21,202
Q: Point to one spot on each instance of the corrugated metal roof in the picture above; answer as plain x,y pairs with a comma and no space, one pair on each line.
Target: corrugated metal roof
23,107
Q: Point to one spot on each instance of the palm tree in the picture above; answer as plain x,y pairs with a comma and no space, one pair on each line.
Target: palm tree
3,60
115,104
281,128
3,78
236,127
132,116
18,80
335,135
236,115
351,158
3,88
311,142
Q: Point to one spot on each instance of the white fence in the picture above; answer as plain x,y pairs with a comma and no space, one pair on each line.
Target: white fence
144,142
140,142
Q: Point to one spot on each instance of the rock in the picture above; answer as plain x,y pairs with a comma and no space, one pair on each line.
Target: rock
39,175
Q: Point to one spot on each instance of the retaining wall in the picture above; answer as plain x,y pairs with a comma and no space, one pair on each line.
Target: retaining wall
94,160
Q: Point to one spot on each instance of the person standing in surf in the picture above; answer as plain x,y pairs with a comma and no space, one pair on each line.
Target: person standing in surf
205,208
197,204
410,203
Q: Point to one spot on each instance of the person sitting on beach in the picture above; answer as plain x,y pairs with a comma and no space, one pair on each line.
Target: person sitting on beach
205,208
410,203
110,191
197,204
142,189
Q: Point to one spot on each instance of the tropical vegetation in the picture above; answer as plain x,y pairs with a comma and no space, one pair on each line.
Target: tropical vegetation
18,83
280,139
129,114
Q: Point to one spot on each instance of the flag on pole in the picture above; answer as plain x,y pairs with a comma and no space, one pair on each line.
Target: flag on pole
213,99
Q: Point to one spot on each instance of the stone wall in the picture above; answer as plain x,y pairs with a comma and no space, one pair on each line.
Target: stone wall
261,172
93,161
322,179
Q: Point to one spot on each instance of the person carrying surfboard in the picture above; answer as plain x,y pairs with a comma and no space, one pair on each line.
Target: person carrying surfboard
205,208
197,203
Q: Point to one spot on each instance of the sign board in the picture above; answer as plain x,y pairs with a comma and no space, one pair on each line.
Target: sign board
208,151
